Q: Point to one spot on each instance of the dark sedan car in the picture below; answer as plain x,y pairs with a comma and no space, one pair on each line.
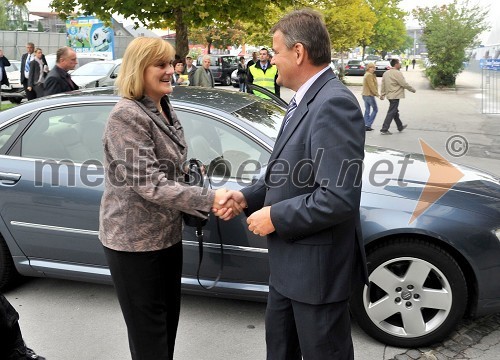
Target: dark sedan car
355,67
427,268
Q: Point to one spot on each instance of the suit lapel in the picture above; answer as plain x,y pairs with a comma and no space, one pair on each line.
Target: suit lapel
300,113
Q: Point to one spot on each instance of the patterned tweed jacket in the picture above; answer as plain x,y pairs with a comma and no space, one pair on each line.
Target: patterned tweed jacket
144,194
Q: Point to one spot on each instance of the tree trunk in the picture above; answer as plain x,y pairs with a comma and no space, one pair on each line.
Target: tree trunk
181,34
209,46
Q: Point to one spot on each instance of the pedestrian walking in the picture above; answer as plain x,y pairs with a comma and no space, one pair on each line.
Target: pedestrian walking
370,90
393,87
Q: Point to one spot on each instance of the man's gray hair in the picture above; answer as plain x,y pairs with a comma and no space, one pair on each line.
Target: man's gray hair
307,27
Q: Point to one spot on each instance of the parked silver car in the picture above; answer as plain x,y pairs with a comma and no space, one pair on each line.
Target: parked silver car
97,74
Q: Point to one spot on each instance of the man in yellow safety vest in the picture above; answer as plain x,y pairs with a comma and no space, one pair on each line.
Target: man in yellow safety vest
264,74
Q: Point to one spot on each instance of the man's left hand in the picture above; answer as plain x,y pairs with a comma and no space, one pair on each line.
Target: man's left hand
260,222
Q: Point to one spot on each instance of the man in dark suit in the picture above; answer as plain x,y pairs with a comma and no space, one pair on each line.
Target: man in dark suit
58,80
4,62
307,203
26,60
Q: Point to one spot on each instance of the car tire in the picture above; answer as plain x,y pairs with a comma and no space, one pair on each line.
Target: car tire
15,100
404,308
226,80
8,273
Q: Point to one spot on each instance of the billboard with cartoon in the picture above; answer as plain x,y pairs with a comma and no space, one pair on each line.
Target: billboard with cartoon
89,35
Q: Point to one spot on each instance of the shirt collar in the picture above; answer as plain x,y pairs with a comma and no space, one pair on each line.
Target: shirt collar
303,89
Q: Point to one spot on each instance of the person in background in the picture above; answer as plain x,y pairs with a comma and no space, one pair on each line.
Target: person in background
370,90
393,87
140,219
58,80
313,229
203,76
12,345
4,62
26,60
407,63
189,69
242,74
264,74
178,78
413,62
251,62
37,74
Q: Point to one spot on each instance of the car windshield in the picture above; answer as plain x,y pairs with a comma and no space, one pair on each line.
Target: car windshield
264,116
95,68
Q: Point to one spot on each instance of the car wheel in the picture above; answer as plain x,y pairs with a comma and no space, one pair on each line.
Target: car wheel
8,271
417,294
227,80
15,100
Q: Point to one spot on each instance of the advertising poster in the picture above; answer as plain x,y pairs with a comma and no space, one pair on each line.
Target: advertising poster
89,35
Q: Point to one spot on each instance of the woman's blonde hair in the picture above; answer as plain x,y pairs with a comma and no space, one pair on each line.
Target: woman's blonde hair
141,53
370,65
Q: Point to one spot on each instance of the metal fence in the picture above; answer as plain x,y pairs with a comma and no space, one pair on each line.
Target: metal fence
490,91
13,43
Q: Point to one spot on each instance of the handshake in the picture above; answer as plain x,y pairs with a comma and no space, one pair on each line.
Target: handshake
230,203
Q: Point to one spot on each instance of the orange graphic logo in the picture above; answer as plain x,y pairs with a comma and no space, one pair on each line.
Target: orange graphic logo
442,177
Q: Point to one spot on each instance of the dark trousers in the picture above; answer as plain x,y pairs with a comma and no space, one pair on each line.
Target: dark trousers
11,341
296,331
148,286
392,113
30,94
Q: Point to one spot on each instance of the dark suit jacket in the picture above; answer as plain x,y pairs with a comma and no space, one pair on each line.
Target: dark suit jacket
4,62
34,73
24,79
317,251
58,81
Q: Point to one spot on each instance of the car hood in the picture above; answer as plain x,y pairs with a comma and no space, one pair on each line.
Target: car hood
82,80
407,175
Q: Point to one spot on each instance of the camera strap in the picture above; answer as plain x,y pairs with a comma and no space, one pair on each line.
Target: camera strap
195,177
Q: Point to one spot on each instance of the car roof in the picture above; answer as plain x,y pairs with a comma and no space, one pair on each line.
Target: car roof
220,99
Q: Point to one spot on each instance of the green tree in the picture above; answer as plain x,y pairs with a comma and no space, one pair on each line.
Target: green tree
389,31
219,35
3,16
447,31
12,15
348,22
178,14
40,27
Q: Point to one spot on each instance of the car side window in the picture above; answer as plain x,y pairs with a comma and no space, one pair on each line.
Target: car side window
69,133
225,151
6,133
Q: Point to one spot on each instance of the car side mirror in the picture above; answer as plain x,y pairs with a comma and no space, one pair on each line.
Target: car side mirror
113,76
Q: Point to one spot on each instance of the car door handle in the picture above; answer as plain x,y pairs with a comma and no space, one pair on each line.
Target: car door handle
9,178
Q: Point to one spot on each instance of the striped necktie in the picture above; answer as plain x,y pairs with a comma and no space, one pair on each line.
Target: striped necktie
27,64
289,112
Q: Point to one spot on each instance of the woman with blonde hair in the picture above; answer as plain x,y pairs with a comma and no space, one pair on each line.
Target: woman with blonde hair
140,216
370,90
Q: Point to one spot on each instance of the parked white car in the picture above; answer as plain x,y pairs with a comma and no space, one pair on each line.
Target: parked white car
97,73
15,91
